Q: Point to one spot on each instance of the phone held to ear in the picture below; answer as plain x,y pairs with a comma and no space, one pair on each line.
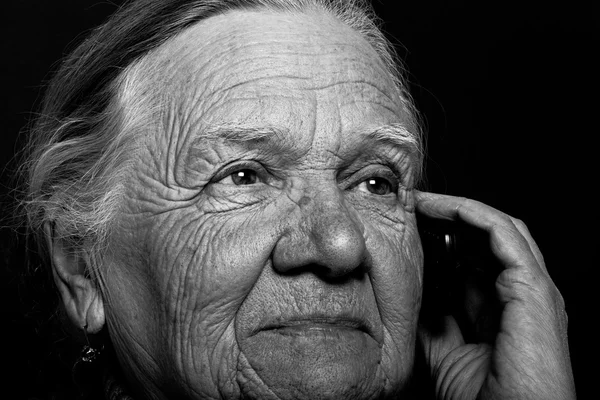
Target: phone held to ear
457,261
441,266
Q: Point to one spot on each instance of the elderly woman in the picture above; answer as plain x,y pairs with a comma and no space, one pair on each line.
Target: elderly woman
224,191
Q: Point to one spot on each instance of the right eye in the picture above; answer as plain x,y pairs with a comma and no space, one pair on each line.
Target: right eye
243,174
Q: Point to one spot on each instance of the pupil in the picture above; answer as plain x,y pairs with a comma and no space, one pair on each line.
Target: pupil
378,186
244,177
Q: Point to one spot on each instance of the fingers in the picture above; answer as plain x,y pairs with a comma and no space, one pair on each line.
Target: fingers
439,338
457,369
525,278
530,341
514,247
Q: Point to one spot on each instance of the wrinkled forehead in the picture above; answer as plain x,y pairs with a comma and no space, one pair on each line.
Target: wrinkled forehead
276,50
303,73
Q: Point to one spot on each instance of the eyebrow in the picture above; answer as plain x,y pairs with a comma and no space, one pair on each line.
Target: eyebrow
396,135
241,133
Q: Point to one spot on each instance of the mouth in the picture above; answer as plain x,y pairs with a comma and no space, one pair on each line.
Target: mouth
316,325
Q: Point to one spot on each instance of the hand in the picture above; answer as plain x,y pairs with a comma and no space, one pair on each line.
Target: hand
527,355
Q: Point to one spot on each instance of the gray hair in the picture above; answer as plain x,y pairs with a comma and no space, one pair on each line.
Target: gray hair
79,144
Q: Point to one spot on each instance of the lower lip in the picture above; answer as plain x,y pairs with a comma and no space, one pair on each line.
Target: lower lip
312,340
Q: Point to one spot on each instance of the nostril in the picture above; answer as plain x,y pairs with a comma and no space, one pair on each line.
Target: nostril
335,275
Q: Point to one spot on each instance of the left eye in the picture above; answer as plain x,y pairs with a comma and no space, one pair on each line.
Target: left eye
244,176
376,185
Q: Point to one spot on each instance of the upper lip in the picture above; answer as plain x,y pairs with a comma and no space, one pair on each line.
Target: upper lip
342,320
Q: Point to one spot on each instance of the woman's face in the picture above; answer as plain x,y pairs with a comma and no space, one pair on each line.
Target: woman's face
267,245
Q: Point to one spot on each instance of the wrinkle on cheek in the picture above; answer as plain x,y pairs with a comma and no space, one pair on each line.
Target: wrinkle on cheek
389,214
196,309
396,282
230,261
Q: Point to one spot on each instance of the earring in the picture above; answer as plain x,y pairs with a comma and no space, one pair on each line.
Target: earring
89,354
88,368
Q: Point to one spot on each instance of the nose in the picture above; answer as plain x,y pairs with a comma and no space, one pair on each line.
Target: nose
327,238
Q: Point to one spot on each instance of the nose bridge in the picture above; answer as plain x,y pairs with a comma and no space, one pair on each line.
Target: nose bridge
329,235
325,213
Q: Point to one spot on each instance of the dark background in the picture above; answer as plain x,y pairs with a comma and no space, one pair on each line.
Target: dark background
509,95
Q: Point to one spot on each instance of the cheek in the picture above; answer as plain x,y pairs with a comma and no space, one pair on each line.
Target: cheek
396,248
397,284
206,266
184,277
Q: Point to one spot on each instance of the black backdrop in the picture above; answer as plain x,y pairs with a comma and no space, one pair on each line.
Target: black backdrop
508,92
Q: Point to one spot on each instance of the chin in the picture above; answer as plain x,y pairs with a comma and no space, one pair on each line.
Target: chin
315,363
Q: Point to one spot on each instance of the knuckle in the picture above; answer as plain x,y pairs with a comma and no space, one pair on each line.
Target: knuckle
519,223
521,226
462,203
525,280
505,218
517,276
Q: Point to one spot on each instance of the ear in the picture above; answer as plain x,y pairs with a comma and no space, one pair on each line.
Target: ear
80,295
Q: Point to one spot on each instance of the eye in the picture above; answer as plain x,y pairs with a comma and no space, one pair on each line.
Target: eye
244,176
376,185
244,173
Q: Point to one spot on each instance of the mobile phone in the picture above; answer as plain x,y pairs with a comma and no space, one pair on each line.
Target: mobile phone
442,268
457,261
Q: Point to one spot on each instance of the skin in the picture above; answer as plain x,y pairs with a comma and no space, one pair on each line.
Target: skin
289,266
301,283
